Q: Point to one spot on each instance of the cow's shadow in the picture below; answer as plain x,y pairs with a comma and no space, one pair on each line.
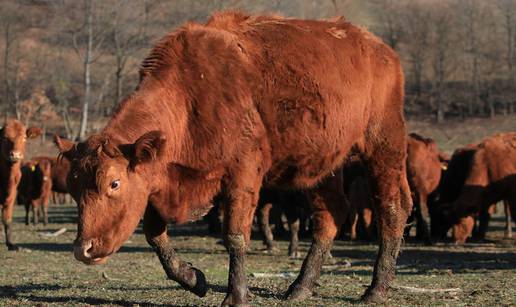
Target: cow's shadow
427,261
24,292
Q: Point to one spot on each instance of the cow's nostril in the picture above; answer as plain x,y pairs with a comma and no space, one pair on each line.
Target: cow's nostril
16,155
87,249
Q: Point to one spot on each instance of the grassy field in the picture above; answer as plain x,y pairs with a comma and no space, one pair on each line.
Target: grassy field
44,272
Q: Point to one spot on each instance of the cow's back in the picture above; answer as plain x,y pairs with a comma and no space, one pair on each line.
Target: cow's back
304,92
423,164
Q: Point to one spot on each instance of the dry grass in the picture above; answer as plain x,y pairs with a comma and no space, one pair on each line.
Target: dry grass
45,273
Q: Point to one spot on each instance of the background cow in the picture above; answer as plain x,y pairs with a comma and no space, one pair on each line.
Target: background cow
35,189
13,136
478,176
424,167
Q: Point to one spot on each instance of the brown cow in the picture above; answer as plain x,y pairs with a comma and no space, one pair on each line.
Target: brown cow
424,167
12,149
478,176
35,189
225,106
59,171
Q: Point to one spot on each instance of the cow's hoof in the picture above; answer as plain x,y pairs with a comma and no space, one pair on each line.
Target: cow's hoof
200,288
373,297
294,255
272,249
12,247
230,301
297,293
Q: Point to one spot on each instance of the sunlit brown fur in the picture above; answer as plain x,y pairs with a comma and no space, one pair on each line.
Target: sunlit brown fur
225,106
424,167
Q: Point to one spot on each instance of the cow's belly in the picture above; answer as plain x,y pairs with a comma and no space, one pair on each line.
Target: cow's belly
301,163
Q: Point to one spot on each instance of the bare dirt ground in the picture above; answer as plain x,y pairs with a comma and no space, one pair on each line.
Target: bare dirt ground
44,272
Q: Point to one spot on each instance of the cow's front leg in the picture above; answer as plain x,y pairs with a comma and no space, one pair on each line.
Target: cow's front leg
7,216
240,196
237,231
187,276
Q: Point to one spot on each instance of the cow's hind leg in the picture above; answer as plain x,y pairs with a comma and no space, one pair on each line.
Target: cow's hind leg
44,213
508,225
329,207
263,219
423,219
292,211
35,212
27,213
188,277
393,204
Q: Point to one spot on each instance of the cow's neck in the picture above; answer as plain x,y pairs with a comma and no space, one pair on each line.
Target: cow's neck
179,192
144,111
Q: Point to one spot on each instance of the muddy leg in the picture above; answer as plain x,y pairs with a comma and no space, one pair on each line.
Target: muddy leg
44,212
241,194
27,213
354,224
35,213
7,215
423,219
293,223
237,232
483,224
392,206
330,207
263,219
508,225
176,269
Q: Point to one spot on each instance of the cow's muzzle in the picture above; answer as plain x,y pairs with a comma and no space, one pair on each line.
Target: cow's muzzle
15,156
83,251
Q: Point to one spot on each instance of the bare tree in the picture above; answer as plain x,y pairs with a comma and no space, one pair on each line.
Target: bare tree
417,28
87,44
508,9
11,23
443,37
129,26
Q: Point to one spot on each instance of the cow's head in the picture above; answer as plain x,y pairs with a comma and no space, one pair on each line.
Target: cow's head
13,136
109,184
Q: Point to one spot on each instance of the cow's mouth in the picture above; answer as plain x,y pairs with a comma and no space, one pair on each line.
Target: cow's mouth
98,260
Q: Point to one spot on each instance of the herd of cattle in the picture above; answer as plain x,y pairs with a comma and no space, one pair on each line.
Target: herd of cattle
262,114
458,193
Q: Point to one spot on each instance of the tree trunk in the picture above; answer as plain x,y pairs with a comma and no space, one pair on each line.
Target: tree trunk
6,70
87,73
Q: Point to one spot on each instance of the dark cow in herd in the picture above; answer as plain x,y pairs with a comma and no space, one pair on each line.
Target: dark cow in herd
478,176
35,188
238,103
13,136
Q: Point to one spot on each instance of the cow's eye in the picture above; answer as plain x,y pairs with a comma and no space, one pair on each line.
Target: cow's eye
115,185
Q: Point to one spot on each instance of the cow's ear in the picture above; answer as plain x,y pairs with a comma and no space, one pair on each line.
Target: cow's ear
147,148
65,146
33,132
